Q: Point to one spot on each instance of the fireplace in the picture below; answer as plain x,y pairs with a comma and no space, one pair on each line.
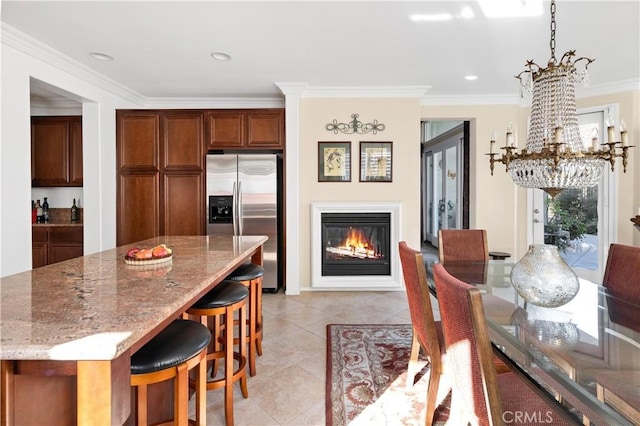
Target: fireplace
355,243
354,246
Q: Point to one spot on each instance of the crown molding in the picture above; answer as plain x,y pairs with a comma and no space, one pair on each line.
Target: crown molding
213,103
608,88
292,88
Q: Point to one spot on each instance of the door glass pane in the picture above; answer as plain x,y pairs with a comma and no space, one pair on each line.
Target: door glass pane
437,191
429,195
451,188
571,218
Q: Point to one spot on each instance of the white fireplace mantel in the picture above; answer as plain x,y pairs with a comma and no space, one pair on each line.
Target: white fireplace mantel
356,282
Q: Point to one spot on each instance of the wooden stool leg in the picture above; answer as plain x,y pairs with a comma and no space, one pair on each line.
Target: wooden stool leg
243,349
259,316
141,408
216,325
253,305
201,392
180,396
228,367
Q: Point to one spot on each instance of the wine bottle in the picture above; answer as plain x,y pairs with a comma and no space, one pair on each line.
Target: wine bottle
74,212
45,210
38,211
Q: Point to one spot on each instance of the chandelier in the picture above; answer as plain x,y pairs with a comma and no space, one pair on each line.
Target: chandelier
555,157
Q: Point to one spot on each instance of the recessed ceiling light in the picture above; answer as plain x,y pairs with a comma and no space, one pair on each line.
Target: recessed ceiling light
221,56
102,56
466,13
470,77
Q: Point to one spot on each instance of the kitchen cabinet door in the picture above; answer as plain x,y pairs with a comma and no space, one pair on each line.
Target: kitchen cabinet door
39,246
61,252
75,151
138,140
183,208
50,151
265,129
181,135
56,151
138,207
39,254
225,129
138,164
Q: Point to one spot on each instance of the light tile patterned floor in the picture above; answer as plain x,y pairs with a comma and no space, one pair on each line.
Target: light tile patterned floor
289,388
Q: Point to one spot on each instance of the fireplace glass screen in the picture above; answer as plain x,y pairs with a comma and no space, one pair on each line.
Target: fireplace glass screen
355,244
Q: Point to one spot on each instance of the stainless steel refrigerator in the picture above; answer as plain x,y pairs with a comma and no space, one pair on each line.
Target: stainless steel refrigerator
244,198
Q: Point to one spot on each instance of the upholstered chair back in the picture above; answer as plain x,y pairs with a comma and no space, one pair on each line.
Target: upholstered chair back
463,245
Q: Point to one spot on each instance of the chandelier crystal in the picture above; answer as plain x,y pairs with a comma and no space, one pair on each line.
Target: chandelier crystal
555,157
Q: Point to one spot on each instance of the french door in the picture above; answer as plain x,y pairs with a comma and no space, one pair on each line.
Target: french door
442,185
578,221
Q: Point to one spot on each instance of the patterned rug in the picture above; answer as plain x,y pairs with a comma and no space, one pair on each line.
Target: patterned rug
366,377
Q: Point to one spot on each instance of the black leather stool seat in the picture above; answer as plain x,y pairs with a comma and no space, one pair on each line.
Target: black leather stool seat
225,293
178,342
246,272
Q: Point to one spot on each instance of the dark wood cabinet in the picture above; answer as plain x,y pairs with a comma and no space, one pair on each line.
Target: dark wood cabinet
52,244
138,191
160,174
161,164
56,151
245,129
39,247
225,129
265,129
75,152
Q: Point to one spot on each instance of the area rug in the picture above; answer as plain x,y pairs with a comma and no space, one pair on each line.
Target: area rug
366,377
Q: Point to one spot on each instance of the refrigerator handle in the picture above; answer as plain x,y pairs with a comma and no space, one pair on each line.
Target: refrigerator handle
240,215
234,207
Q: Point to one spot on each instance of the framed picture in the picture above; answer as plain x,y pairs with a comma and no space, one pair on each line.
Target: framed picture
334,161
375,161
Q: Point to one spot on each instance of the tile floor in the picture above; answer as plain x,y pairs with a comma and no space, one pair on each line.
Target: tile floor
289,388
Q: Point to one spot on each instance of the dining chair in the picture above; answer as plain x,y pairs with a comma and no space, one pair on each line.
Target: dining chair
479,395
622,273
463,245
427,332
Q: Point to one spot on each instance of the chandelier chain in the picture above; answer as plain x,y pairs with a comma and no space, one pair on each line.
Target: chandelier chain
552,42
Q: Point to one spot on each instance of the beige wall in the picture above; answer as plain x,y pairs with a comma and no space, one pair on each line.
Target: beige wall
401,116
499,206
627,184
491,198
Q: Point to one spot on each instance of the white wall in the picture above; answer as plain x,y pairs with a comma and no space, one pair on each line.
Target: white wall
99,192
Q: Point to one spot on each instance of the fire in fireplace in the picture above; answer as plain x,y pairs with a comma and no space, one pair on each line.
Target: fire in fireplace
355,243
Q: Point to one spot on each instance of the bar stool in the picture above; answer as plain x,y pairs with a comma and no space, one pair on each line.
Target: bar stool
250,275
216,309
180,347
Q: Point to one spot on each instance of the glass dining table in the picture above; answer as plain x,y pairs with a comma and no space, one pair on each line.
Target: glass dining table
584,354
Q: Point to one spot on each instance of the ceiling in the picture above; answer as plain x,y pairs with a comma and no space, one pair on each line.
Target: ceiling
163,49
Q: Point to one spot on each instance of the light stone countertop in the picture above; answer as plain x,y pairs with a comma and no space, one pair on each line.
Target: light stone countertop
95,307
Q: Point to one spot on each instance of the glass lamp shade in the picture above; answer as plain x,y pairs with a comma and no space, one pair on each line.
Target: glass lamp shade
543,278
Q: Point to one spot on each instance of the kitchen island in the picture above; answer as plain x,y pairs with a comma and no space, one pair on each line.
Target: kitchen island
67,330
